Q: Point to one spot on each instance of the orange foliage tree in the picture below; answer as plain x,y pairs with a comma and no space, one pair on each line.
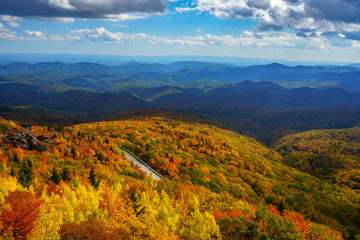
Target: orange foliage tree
19,214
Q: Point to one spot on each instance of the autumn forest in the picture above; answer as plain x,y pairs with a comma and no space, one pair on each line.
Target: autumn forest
179,119
75,183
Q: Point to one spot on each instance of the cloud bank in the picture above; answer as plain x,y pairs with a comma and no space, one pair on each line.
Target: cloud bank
104,9
273,39
304,16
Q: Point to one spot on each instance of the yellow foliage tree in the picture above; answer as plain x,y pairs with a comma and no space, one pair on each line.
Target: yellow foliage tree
48,223
197,225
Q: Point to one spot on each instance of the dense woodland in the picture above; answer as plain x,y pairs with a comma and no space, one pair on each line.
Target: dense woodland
74,183
333,155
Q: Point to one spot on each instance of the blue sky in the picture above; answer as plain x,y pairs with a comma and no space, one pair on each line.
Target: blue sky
309,30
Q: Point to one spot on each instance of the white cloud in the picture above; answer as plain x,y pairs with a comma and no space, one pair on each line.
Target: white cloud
101,34
11,21
34,35
55,37
274,40
130,16
356,44
13,24
7,35
8,18
187,9
119,25
56,19
341,35
97,34
182,42
246,39
3,29
309,15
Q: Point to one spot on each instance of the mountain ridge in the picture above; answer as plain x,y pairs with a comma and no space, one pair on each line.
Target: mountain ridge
288,76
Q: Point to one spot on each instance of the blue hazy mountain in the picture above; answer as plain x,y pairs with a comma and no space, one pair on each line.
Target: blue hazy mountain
101,77
6,58
94,87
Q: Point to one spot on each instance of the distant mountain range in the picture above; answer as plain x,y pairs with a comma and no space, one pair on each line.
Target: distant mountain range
102,89
262,94
255,94
104,78
6,58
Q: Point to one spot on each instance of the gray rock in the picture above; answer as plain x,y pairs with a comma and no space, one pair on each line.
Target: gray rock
44,139
23,140
26,126
27,141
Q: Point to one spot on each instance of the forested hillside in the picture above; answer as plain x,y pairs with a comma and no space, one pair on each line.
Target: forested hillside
73,183
332,155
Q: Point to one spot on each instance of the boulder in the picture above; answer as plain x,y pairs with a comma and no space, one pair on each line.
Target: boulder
28,141
23,140
43,138
26,126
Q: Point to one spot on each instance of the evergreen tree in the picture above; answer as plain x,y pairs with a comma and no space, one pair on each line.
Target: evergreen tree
26,173
92,177
12,172
55,176
65,174
102,158
73,152
15,157
137,207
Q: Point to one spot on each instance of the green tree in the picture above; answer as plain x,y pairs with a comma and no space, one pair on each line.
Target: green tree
55,176
73,152
26,173
92,177
65,174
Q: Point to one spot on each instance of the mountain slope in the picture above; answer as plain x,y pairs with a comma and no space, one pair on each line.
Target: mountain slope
73,101
219,185
333,155
227,162
261,95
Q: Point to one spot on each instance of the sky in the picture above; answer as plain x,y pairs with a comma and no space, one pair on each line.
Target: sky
296,30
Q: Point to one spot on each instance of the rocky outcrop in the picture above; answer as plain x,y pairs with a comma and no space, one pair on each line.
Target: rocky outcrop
28,141
23,140
26,126
44,139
